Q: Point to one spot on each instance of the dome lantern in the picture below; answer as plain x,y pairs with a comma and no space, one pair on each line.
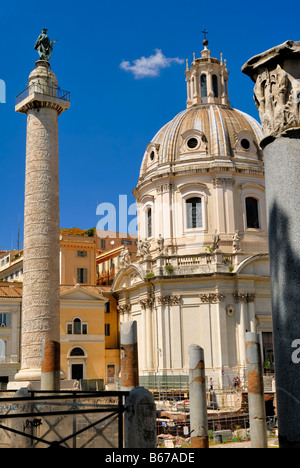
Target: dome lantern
207,80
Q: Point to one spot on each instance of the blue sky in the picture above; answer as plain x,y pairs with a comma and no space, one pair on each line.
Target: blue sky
115,109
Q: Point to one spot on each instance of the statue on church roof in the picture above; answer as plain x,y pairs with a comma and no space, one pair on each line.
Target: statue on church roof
44,46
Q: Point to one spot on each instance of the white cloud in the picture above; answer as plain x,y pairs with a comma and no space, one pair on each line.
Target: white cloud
149,66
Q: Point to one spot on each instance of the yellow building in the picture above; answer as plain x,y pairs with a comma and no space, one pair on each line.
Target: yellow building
82,332
77,256
89,326
89,319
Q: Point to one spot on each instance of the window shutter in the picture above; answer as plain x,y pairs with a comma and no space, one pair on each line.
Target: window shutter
85,275
78,275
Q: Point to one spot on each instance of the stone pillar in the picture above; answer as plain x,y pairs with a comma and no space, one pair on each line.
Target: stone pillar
198,405
41,287
176,334
140,420
149,329
164,343
243,324
276,74
220,221
251,310
50,378
15,346
129,356
256,397
143,347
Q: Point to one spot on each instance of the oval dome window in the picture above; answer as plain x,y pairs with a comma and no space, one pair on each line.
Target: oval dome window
245,144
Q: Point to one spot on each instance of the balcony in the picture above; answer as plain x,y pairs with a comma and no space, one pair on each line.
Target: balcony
42,93
45,90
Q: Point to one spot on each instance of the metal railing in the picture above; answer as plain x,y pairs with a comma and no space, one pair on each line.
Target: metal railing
69,419
45,90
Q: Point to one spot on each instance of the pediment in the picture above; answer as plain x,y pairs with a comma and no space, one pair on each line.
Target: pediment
258,265
78,293
128,277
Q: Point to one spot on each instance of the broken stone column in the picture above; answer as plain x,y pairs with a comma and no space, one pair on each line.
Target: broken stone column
50,377
256,397
276,74
198,405
129,356
140,420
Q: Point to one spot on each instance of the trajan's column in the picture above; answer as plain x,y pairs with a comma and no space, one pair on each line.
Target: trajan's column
42,102
276,74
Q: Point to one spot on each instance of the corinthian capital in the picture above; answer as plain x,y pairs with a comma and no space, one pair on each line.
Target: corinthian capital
243,297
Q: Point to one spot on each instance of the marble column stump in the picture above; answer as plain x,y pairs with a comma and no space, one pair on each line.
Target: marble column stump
276,74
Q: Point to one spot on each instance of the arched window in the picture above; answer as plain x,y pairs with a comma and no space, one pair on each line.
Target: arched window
149,222
252,215
77,327
215,85
77,352
194,213
203,83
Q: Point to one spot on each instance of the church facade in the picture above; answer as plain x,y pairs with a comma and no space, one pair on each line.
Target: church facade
202,269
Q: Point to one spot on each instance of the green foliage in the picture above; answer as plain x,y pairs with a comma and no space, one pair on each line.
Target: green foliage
90,232
169,269
150,275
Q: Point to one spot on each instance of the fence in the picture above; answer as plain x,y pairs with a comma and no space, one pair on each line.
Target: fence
62,419
45,90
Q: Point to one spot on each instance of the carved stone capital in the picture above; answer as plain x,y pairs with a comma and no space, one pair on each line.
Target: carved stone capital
163,300
175,300
277,88
124,308
212,298
146,303
167,188
243,297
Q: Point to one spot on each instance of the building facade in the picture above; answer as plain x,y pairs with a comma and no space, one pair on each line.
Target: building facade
202,270
10,329
89,328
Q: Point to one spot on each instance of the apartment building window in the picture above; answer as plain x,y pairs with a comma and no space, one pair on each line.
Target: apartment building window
82,275
3,346
81,253
77,327
107,307
126,242
5,319
107,329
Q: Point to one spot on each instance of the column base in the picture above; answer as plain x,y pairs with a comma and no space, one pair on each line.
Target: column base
28,375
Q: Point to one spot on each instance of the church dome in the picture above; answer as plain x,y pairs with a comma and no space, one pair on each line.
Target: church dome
204,132
202,174
209,129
